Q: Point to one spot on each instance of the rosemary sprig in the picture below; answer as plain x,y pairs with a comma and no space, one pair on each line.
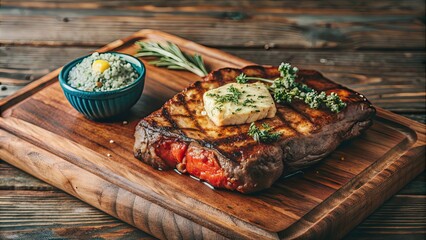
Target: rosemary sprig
170,56
285,89
264,135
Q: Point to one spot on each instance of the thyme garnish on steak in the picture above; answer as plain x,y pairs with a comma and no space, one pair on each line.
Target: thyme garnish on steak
233,96
264,135
286,89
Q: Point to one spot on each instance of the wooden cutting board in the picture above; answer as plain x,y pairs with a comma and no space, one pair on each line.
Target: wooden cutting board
43,135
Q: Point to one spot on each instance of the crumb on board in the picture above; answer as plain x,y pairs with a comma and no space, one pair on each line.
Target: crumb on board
125,122
108,155
111,141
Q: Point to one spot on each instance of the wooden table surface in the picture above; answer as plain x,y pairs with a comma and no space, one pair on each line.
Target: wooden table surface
375,47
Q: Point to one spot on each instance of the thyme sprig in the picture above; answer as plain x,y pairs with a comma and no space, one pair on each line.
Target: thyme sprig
286,89
170,56
242,78
264,135
233,96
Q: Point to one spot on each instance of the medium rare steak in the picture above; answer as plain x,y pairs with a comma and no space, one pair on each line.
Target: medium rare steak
180,135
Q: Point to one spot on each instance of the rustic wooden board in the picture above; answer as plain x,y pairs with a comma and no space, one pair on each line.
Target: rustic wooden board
43,135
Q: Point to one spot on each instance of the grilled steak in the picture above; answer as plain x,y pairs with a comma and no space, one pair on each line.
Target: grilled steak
179,135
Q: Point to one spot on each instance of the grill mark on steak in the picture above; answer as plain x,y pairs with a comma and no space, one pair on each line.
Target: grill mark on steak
198,86
182,100
181,115
218,75
169,118
285,124
260,71
302,114
248,146
232,139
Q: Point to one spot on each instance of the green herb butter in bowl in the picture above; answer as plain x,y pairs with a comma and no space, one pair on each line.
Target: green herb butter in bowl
103,85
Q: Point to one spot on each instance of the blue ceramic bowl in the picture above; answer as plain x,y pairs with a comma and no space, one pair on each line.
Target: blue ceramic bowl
102,105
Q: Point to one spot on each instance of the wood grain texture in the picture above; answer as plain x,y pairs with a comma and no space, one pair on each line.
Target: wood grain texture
340,182
405,219
68,217
416,187
298,30
307,7
13,179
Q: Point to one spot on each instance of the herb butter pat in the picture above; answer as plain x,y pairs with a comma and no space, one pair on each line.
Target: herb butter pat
236,103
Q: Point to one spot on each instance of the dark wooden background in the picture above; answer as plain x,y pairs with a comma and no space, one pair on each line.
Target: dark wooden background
375,47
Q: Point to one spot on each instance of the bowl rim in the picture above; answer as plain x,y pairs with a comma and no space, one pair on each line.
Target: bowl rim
67,68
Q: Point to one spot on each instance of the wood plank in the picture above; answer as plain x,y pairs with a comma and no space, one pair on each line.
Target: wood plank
24,61
292,6
420,117
416,187
392,80
403,216
382,170
90,27
6,90
12,178
53,215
